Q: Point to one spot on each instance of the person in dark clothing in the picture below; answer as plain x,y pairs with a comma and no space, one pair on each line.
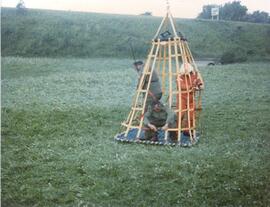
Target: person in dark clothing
156,116
155,92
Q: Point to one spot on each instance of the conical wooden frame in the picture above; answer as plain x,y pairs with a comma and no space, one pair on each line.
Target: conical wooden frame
166,56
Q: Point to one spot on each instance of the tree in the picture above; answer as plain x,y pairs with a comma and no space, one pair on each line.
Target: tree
234,55
258,17
233,11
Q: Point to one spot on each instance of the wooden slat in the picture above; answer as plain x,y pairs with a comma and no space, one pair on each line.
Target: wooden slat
160,26
141,91
148,85
138,93
137,109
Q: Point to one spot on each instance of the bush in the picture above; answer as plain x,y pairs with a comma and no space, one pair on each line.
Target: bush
227,58
233,56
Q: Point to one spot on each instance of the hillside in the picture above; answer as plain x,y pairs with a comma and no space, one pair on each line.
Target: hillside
44,33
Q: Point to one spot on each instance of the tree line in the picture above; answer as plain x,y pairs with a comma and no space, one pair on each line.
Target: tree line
234,11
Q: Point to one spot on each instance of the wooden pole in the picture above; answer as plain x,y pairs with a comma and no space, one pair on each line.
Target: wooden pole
179,107
187,78
170,73
159,61
172,24
148,85
198,73
160,26
195,65
164,70
139,90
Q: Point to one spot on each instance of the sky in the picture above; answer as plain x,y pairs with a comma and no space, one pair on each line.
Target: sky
179,8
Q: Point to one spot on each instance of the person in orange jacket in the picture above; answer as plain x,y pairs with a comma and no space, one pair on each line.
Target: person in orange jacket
188,81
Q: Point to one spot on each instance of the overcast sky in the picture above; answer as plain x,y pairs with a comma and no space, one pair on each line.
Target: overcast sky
179,8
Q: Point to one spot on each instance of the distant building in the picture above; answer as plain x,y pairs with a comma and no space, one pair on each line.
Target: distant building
147,14
21,5
20,8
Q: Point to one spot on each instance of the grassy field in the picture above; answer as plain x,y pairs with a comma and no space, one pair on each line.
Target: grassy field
43,33
59,117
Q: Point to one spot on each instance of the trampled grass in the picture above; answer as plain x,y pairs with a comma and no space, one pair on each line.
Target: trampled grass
59,117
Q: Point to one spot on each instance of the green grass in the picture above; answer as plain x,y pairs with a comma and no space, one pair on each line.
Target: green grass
44,33
59,117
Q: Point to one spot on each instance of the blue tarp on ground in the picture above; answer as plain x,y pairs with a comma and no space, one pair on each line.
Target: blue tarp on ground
132,137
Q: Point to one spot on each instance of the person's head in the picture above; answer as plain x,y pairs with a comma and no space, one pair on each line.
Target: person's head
186,68
138,65
157,106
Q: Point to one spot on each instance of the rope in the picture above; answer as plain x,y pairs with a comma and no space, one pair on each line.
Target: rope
168,5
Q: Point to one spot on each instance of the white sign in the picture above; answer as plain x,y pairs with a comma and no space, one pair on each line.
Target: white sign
215,11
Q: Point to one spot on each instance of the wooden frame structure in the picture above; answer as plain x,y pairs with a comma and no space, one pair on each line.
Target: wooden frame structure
167,56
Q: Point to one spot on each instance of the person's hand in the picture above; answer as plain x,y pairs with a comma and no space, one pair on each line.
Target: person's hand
165,127
201,87
151,126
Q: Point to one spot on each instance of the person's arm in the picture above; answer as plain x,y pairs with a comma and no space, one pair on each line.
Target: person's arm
138,83
170,118
197,82
146,120
145,81
139,79
200,81
170,115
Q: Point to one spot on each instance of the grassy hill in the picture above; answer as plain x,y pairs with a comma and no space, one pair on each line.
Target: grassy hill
43,33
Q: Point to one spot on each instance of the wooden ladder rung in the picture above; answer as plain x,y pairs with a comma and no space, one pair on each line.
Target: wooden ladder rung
174,74
184,110
173,129
142,91
175,92
136,108
182,129
185,129
131,126
176,55
169,130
